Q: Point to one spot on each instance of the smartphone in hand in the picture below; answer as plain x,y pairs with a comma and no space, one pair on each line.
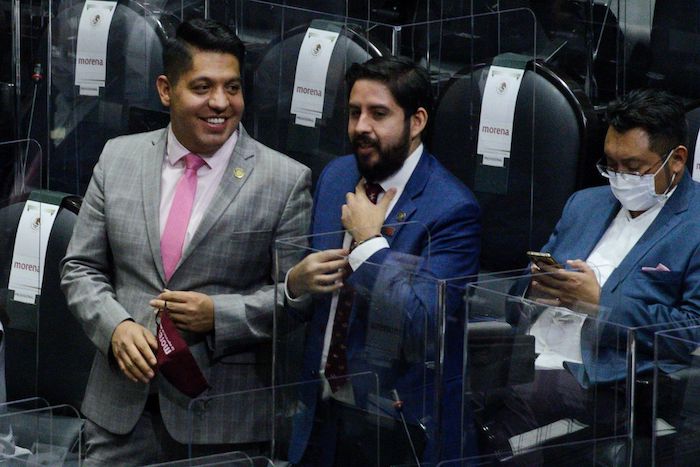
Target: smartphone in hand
542,257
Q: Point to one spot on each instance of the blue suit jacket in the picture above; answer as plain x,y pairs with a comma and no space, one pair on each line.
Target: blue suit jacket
631,297
438,239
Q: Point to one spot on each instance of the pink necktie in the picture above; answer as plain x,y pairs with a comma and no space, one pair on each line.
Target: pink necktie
179,216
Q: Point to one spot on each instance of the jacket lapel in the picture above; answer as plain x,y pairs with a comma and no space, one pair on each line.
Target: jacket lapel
243,157
151,169
328,228
404,208
666,220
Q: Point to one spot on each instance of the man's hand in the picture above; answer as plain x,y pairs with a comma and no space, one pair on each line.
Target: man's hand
361,217
189,311
320,272
133,347
577,289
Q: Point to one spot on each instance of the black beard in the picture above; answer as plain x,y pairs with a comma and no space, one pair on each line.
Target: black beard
391,159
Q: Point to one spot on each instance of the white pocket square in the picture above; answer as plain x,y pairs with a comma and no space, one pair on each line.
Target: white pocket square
659,267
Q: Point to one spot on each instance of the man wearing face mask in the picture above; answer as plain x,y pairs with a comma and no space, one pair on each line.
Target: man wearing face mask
631,251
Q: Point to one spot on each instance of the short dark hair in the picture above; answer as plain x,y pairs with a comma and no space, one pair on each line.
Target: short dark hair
202,34
408,83
660,114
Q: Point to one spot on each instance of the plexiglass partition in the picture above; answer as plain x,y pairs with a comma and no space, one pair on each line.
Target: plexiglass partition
21,168
297,57
676,412
25,225
490,89
605,47
234,458
539,375
575,453
395,330
36,228
103,63
34,433
282,417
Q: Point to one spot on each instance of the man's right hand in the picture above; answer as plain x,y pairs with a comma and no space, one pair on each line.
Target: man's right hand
133,346
320,272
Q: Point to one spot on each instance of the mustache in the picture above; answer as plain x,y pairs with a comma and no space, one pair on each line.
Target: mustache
363,140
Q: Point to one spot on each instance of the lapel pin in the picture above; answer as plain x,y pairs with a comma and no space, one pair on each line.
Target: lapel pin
401,216
388,231
238,172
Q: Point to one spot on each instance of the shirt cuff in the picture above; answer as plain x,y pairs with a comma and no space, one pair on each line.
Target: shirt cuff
298,303
364,251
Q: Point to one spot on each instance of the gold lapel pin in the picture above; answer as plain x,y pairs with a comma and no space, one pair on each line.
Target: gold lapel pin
238,172
401,216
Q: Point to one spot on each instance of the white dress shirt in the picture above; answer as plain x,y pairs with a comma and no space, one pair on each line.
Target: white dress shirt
208,179
557,330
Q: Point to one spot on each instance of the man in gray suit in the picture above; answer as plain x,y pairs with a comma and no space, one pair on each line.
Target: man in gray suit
218,283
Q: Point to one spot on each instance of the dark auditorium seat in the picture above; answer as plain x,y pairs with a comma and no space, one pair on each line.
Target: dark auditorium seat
80,125
271,97
47,353
675,62
555,144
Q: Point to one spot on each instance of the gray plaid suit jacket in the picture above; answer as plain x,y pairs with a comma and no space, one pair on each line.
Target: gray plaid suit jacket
113,268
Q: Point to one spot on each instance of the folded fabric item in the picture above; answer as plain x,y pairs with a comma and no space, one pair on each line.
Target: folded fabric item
175,361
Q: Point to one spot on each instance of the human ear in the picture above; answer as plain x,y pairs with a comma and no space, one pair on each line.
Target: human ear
164,89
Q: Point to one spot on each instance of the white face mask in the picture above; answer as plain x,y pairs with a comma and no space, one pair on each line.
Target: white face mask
638,192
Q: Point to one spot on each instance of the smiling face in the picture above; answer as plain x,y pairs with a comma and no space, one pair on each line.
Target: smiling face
206,102
379,131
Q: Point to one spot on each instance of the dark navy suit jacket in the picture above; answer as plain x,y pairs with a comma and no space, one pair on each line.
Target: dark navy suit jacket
647,301
435,236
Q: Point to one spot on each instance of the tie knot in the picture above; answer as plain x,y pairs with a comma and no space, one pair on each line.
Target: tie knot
373,190
193,162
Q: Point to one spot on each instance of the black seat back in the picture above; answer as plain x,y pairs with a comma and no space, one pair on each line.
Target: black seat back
551,157
271,99
48,355
81,125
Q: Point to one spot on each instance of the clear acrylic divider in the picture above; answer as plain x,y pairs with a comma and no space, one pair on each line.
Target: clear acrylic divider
281,414
396,330
574,454
449,40
86,106
35,228
538,374
21,169
234,459
296,59
21,269
34,433
676,405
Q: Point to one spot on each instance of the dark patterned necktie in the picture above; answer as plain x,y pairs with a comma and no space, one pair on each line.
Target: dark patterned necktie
336,369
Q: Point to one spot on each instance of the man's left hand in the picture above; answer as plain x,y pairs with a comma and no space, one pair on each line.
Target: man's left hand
576,289
361,217
189,311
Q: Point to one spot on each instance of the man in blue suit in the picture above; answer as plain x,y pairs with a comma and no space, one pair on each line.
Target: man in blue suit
632,257
423,228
